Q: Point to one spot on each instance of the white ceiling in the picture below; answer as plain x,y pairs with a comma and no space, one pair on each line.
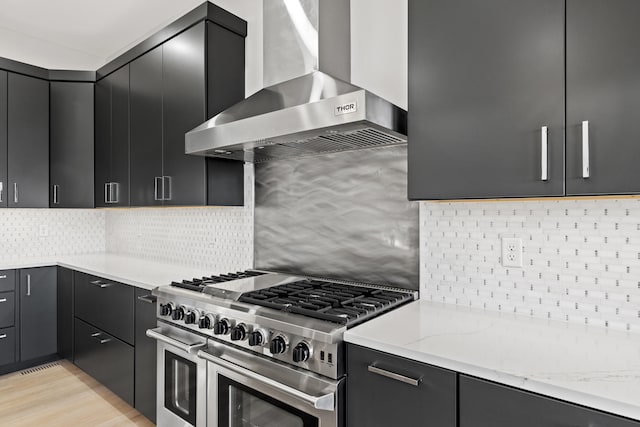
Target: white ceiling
81,34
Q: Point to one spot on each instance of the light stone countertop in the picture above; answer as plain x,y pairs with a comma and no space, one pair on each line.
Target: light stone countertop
590,366
132,271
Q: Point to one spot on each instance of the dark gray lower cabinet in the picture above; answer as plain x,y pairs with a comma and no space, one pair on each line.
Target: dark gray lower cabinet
145,359
38,318
486,404
378,396
7,309
105,358
7,346
65,313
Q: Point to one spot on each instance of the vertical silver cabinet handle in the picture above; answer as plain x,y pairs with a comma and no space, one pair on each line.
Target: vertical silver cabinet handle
157,184
115,197
55,194
585,149
166,188
544,154
15,192
28,285
106,192
1,191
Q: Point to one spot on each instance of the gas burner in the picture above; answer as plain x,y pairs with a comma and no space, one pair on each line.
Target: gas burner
198,285
335,302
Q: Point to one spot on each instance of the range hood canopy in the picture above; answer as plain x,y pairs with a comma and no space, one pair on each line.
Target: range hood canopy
310,107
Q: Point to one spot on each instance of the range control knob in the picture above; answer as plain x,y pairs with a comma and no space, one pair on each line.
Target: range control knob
278,345
239,332
222,327
178,314
206,322
301,352
166,309
191,317
257,338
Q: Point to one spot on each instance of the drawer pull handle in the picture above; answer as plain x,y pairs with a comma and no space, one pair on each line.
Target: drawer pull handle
100,284
149,299
97,336
3,300
4,276
3,336
408,380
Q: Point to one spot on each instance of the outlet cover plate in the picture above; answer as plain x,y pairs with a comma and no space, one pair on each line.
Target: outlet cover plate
511,252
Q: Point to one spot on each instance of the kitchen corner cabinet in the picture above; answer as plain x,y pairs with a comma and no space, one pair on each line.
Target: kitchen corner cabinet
145,354
173,90
112,139
487,98
72,145
385,390
486,88
27,141
38,313
603,90
486,404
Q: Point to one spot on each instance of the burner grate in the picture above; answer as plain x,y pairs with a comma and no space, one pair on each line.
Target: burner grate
198,285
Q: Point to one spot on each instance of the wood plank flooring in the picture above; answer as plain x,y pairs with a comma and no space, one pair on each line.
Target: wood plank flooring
62,395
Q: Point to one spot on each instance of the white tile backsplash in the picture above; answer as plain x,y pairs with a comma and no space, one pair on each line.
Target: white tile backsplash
46,232
581,258
216,238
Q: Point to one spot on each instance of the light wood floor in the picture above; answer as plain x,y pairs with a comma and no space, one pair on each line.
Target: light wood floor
62,396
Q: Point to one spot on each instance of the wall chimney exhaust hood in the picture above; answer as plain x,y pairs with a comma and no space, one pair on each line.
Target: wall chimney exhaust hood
309,106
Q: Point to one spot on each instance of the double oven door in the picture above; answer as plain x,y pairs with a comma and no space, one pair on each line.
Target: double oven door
245,390
181,379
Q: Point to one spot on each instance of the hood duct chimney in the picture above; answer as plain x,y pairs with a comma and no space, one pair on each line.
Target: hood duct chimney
309,106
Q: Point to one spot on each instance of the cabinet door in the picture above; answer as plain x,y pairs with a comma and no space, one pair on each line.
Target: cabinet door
603,89
145,360
377,394
3,139
120,136
28,141
65,313
38,313
184,93
485,404
102,140
146,129
485,78
72,148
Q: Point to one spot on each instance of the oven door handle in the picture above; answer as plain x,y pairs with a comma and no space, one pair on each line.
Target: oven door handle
186,347
326,402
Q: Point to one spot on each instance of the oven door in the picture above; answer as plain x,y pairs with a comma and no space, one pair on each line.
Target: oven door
248,390
182,376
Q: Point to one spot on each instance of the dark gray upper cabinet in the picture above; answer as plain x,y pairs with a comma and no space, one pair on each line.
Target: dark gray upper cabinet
3,139
386,390
172,90
38,313
184,92
603,89
28,141
485,78
485,404
146,129
112,139
72,146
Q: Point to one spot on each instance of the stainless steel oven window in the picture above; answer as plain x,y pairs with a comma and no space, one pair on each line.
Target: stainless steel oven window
241,406
180,388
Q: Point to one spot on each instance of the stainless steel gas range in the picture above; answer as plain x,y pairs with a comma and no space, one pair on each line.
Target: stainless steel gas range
259,348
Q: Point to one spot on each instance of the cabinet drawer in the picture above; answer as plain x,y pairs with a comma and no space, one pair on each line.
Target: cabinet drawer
106,358
387,390
7,346
7,280
7,309
105,304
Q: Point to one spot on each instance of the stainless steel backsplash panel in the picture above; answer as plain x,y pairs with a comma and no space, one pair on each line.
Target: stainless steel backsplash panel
342,215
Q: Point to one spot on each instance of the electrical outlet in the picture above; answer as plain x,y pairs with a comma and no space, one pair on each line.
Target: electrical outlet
511,252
